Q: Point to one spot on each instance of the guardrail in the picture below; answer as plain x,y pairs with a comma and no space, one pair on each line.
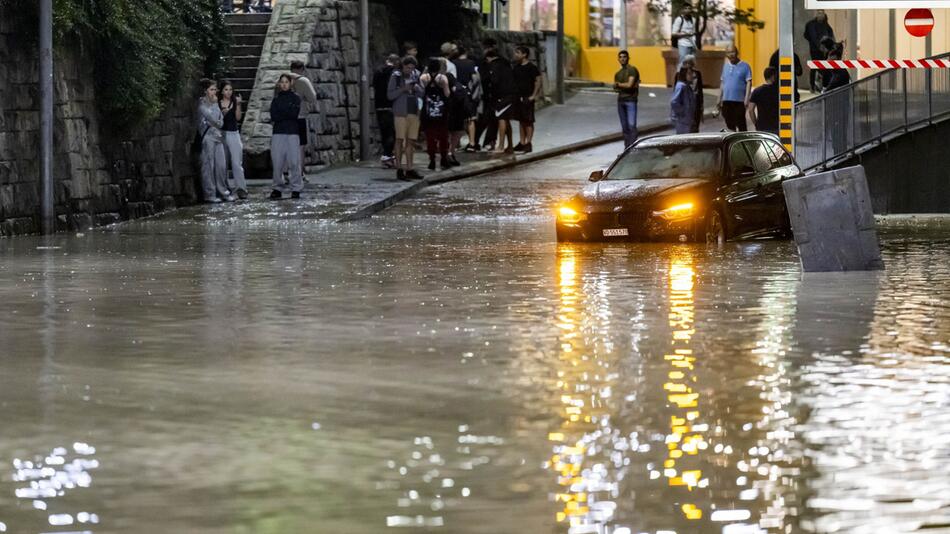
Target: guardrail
838,124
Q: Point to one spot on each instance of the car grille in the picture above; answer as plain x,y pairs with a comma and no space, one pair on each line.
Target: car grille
628,219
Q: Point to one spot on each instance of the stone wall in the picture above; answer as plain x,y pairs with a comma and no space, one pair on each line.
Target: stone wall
324,34
99,179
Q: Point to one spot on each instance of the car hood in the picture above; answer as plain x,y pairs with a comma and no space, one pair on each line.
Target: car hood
634,191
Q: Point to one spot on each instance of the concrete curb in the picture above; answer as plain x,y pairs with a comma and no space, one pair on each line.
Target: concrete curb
486,167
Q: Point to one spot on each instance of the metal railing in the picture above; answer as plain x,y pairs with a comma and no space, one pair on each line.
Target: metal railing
841,123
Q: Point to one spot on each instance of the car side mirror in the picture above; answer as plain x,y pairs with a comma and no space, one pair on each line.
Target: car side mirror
596,176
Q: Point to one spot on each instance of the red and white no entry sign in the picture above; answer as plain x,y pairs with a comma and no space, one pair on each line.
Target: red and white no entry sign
919,22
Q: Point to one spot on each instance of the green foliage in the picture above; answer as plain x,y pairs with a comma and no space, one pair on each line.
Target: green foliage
572,46
705,10
145,51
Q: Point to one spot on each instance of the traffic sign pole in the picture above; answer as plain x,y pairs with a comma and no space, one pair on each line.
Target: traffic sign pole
786,75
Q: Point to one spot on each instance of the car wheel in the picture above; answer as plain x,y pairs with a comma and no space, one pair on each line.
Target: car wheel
715,228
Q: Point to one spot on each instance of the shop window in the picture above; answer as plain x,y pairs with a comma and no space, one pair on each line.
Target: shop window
605,22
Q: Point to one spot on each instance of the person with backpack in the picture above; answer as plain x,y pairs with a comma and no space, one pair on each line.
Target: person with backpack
405,92
459,113
471,79
214,166
435,112
384,110
285,142
684,34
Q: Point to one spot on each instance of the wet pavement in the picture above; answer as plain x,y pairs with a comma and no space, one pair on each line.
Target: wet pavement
447,367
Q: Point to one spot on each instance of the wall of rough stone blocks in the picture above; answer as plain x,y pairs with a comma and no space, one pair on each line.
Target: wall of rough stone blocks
100,179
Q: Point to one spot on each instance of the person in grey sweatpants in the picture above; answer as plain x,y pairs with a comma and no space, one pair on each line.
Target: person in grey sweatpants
214,166
285,143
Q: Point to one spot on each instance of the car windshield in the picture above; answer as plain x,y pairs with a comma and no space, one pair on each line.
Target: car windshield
670,161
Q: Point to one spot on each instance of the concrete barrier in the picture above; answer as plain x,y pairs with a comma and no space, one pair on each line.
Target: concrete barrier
833,221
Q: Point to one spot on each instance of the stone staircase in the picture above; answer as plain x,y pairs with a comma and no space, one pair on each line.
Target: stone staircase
248,32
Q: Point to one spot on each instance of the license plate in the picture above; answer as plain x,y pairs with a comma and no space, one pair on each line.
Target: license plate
615,232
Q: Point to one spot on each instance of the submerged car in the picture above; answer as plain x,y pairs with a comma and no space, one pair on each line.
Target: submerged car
695,187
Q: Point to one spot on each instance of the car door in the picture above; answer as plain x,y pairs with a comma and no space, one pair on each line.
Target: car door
739,191
785,169
768,202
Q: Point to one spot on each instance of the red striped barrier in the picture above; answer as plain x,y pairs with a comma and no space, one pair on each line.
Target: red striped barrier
880,64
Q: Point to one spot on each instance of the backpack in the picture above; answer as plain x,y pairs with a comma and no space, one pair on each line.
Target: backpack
433,105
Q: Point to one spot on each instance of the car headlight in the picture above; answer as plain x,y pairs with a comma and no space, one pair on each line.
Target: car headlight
677,212
567,214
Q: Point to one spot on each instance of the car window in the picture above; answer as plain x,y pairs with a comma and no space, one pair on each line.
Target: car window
761,156
739,160
780,157
667,161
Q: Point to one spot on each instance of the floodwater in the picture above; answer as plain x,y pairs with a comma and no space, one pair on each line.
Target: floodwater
447,367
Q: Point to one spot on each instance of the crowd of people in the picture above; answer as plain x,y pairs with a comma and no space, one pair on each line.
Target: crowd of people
452,97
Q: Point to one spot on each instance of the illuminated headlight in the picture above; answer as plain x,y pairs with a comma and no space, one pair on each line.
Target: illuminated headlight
569,215
676,213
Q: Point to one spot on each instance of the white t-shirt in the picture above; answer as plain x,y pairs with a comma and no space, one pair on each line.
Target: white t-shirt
451,69
681,25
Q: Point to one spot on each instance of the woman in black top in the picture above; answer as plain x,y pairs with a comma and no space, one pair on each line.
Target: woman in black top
285,143
233,148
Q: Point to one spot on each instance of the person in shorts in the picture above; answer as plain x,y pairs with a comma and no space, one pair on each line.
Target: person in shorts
528,87
504,96
405,92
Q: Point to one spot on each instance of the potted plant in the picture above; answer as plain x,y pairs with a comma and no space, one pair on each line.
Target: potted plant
572,50
708,61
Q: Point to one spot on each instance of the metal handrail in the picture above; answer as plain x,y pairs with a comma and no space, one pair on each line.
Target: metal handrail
846,121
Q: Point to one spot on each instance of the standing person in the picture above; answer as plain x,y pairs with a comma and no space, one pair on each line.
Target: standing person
405,92
816,30
384,109
285,143
697,88
763,104
684,31
470,78
627,85
835,78
773,62
528,88
683,103
735,90
411,49
448,53
214,166
435,113
302,85
234,150
460,111
504,97
487,123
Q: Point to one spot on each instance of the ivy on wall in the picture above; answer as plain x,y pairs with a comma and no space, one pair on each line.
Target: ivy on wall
145,52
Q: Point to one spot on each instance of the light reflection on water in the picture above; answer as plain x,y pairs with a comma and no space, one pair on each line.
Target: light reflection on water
473,377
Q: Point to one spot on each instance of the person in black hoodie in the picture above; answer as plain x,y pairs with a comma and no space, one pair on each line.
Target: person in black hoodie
384,110
435,112
285,143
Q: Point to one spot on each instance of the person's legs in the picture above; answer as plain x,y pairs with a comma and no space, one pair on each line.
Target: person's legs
624,123
208,188
470,128
401,126
734,115
387,131
442,135
278,159
294,164
632,121
412,133
502,135
235,150
221,171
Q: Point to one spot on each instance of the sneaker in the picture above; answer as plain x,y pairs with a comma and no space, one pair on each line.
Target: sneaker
411,174
446,164
453,161
528,148
519,147
214,200
387,163
400,174
276,195
230,198
242,194
295,195
471,148
431,164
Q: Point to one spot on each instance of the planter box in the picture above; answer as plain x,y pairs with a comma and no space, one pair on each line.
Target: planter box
709,62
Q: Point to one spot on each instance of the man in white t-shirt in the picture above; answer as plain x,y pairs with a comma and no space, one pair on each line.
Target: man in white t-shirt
448,52
684,31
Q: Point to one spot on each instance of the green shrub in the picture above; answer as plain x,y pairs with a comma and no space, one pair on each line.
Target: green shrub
145,51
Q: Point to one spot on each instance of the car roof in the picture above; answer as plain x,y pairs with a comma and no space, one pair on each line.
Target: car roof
699,139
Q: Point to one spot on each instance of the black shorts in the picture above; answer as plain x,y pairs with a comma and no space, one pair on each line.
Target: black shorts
506,109
526,110
302,131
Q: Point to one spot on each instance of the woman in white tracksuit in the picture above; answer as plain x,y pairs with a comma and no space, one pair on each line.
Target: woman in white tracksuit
214,167
234,149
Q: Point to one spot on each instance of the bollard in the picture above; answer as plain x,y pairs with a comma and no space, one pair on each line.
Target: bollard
833,222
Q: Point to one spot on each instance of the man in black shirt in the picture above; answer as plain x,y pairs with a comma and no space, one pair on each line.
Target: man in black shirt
528,87
816,30
763,104
384,109
469,77
503,98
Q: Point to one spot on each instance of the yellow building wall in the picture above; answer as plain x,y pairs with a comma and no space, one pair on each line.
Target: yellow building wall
600,63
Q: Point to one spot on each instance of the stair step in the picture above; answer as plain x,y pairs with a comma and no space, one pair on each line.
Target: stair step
246,62
245,50
247,18
251,29
242,72
241,84
247,39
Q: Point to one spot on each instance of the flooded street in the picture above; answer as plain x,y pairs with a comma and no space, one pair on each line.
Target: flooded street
448,367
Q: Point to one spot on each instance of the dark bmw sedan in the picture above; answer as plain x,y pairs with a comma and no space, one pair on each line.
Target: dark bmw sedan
695,187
